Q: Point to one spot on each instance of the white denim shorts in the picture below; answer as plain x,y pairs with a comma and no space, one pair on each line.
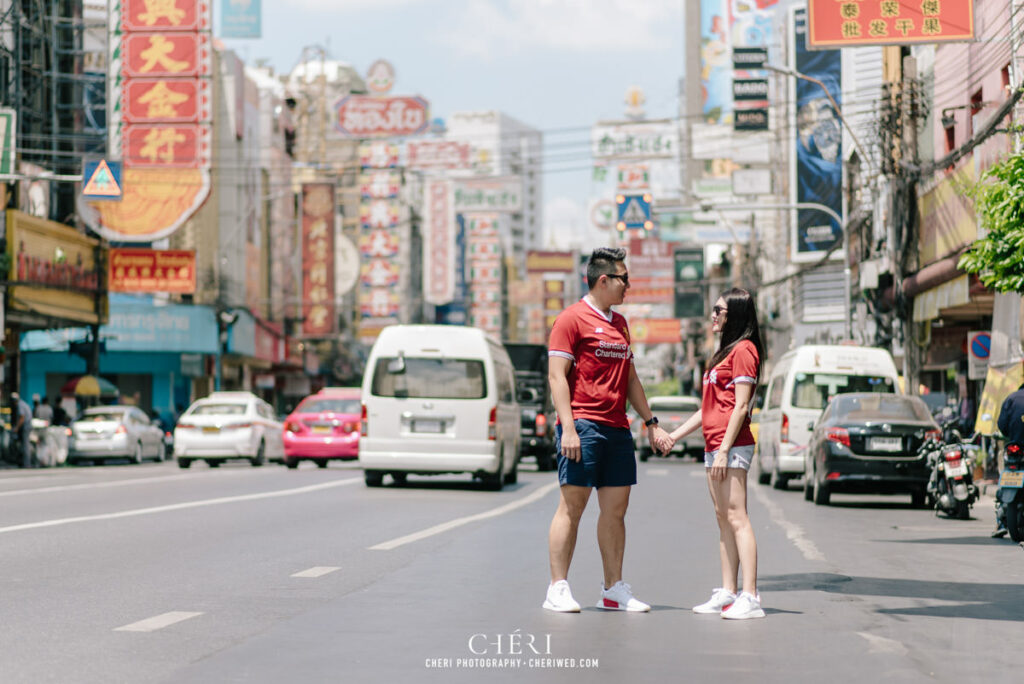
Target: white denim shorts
739,457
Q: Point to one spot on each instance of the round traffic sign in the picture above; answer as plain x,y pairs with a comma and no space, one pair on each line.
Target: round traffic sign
981,345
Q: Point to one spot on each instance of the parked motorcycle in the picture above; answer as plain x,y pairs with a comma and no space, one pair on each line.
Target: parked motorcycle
1010,496
951,485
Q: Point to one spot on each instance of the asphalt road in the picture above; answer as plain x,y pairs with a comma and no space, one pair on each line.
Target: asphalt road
153,574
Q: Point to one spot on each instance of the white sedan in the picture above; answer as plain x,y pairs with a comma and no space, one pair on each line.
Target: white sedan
226,426
104,432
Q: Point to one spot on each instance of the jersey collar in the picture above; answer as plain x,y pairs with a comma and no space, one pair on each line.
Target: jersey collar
586,298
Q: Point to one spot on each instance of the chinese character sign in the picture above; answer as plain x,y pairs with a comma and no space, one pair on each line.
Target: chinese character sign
318,306
840,23
439,243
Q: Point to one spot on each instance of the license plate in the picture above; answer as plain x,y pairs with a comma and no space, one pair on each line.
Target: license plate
322,429
956,469
1013,479
211,429
426,426
885,444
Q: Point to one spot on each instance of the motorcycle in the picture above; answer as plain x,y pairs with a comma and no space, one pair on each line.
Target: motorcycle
951,485
1010,496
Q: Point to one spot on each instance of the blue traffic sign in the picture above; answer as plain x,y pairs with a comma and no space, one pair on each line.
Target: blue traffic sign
634,212
101,180
981,345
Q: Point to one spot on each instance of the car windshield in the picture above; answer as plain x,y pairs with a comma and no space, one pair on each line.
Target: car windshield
674,404
815,390
219,410
322,405
528,357
430,379
101,416
879,407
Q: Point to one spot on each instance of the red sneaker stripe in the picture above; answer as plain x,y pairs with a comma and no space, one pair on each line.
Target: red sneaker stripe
727,607
608,603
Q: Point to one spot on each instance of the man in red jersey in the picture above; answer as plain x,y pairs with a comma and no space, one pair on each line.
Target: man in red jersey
591,372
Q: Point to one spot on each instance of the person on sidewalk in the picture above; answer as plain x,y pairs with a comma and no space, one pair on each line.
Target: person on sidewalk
724,415
22,428
591,374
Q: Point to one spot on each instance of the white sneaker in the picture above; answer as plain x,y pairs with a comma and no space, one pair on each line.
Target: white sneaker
720,598
559,598
620,597
745,606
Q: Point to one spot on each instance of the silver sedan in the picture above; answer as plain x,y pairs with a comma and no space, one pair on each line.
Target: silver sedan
104,432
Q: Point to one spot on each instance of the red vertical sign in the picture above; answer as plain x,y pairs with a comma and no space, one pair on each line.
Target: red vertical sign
318,308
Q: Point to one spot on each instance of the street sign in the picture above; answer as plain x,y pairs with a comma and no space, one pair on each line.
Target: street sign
634,212
688,275
749,57
8,140
750,119
102,180
979,348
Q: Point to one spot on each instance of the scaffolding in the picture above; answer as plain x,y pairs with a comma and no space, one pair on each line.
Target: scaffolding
53,75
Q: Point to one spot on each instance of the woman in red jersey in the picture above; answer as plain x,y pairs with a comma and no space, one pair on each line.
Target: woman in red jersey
729,382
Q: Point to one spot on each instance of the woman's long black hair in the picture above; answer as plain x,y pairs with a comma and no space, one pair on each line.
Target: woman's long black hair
740,324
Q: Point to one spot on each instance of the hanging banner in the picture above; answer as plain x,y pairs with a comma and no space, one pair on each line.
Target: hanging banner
844,24
318,306
817,174
438,243
151,270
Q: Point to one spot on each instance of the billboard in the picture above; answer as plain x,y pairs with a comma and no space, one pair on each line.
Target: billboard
438,243
151,270
318,306
817,167
240,19
159,117
364,116
844,24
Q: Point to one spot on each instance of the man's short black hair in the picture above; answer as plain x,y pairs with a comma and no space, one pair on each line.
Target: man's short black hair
602,262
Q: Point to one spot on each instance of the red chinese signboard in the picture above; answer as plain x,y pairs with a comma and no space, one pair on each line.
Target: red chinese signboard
163,54
318,307
361,116
166,146
164,15
655,331
166,100
152,270
839,23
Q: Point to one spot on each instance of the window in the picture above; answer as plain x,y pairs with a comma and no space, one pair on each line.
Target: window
815,390
218,410
430,379
313,405
506,383
881,407
775,392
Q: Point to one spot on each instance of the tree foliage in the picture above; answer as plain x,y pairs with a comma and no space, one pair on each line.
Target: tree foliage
998,257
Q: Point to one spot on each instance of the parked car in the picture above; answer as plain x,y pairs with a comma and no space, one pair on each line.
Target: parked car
799,386
439,399
105,432
324,427
868,443
672,412
537,423
226,426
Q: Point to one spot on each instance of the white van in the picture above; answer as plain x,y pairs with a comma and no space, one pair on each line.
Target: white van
799,387
439,399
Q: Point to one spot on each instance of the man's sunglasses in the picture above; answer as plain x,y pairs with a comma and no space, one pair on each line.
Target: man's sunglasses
624,277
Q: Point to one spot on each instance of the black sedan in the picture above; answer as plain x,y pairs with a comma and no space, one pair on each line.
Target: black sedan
868,443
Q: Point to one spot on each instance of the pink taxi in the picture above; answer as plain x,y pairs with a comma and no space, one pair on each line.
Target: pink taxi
323,427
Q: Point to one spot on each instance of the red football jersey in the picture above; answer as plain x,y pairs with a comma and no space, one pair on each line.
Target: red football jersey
599,350
719,397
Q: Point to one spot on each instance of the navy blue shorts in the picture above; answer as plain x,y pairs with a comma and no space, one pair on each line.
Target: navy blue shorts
607,456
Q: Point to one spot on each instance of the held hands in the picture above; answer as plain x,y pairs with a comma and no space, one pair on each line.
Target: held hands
571,444
660,440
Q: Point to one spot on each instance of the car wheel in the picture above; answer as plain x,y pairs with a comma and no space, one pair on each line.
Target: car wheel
778,480
261,456
963,510
1015,521
400,479
918,499
322,463
137,456
184,462
292,463
373,478
808,488
494,481
513,475
212,463
821,493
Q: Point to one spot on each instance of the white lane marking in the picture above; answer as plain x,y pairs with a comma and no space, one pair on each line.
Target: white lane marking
316,571
459,522
657,472
181,506
96,485
883,645
157,622
794,532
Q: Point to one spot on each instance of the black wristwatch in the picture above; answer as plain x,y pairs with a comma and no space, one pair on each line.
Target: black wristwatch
652,421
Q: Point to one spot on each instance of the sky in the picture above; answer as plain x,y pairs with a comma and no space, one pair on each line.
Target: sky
557,65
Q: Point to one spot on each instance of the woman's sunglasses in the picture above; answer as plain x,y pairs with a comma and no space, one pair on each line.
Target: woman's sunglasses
717,310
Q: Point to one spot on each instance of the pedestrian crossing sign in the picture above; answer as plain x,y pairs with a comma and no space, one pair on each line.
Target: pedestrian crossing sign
634,212
102,180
